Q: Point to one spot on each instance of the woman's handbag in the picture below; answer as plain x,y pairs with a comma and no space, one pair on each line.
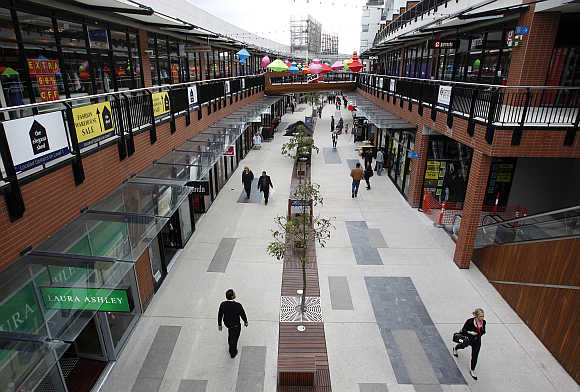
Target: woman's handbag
460,338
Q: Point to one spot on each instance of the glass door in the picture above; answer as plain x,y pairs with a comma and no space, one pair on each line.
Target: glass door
158,269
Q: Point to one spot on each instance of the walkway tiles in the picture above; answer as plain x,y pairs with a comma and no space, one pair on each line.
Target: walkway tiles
222,255
192,386
252,369
372,387
364,252
352,163
339,293
153,369
411,339
376,238
331,155
255,194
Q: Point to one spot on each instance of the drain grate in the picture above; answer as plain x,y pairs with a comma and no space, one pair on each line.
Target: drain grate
290,310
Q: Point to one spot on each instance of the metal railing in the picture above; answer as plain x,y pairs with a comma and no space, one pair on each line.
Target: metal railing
304,79
494,105
551,225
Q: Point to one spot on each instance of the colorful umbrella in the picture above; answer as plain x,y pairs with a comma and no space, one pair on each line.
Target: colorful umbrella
243,54
7,71
337,65
293,68
315,67
325,68
355,65
288,63
278,66
265,61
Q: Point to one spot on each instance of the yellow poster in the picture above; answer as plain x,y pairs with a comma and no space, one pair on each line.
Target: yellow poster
161,105
93,123
432,172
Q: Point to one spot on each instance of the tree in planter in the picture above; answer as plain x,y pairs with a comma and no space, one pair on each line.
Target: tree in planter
300,230
299,147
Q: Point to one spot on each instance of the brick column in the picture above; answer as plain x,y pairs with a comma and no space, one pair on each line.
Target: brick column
478,175
531,59
145,61
418,169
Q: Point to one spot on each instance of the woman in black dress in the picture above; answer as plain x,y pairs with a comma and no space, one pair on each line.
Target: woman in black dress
474,328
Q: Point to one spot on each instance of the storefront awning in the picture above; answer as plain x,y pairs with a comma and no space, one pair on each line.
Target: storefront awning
378,116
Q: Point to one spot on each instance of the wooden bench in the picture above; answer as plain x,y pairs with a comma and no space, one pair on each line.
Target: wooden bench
296,369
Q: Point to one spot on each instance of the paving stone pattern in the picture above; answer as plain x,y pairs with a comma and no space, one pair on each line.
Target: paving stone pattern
339,293
252,369
222,255
192,386
331,155
364,252
372,387
352,163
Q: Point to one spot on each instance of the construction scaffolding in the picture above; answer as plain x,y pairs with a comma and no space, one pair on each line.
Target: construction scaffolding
305,36
329,44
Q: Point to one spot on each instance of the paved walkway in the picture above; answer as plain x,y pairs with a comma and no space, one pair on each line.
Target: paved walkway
391,297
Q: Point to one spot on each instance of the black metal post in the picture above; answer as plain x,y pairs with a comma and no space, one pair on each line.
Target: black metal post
491,116
121,147
517,134
12,194
471,121
153,131
129,141
77,162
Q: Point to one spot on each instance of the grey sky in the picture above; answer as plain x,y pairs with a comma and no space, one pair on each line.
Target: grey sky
271,18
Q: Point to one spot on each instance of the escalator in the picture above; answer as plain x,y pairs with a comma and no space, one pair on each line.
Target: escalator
558,224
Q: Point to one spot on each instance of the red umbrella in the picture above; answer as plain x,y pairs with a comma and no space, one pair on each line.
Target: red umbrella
356,65
325,68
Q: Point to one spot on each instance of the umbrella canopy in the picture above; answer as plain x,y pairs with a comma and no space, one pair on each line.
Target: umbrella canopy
265,61
306,70
288,63
337,65
326,68
292,129
315,67
7,71
243,54
293,68
278,66
355,65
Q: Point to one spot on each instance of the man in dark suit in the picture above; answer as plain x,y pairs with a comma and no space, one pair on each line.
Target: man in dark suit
231,311
264,185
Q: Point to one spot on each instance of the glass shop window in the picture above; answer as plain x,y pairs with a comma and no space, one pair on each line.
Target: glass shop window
121,60
101,68
153,58
13,89
75,65
134,65
176,76
163,61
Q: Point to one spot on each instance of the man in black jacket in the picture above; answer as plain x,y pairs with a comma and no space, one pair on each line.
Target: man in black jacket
247,178
231,311
264,185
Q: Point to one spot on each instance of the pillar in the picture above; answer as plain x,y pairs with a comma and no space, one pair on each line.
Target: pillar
145,60
471,215
202,65
530,60
418,170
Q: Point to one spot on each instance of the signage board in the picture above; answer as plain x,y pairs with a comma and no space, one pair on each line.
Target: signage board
199,187
299,203
432,172
522,30
444,96
161,105
227,87
196,48
230,151
98,38
36,140
85,299
392,85
381,83
93,123
45,70
444,44
509,38
243,83
192,94
412,154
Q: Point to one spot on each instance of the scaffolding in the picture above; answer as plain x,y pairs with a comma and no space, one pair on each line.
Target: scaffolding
305,36
329,44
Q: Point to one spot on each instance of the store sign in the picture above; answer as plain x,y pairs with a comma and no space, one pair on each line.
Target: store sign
36,140
444,96
243,83
444,44
230,152
21,313
93,123
299,203
509,38
392,85
227,87
98,38
199,187
192,95
161,105
412,154
85,299
196,48
522,30
45,71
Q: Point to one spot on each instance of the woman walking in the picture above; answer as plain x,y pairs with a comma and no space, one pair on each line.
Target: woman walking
474,328
368,174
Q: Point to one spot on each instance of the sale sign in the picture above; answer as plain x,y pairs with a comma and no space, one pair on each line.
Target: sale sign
45,70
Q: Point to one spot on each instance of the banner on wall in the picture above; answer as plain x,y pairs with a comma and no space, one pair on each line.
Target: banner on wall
192,95
243,83
161,105
227,87
45,71
93,123
444,96
36,140
230,152
392,85
381,83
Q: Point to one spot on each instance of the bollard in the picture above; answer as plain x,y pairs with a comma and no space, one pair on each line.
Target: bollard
425,205
443,206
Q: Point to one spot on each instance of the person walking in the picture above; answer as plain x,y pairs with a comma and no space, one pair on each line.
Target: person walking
230,312
292,106
320,112
380,161
368,174
474,329
264,185
334,139
331,123
247,178
357,175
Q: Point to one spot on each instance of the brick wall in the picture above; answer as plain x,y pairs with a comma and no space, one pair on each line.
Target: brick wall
53,200
144,279
145,61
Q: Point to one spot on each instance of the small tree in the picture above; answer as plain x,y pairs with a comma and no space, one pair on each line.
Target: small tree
298,231
299,143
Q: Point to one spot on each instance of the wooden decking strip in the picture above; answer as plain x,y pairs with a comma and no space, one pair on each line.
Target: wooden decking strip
302,351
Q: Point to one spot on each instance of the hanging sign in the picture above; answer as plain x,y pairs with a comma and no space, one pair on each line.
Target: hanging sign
98,38
93,123
196,48
192,95
412,154
36,140
161,105
230,152
44,71
444,96
86,299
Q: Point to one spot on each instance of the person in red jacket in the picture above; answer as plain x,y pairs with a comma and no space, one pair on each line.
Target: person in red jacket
474,328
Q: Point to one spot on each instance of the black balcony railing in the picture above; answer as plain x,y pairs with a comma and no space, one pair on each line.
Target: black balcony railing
517,107
326,78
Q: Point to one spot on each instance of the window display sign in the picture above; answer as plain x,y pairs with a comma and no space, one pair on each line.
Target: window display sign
161,105
36,140
98,38
192,95
432,172
444,96
230,152
45,70
93,123
85,299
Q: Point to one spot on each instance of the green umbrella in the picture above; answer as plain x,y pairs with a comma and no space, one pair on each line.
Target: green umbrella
9,72
277,65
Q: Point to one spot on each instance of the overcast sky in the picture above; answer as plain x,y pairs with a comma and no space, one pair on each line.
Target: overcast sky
271,18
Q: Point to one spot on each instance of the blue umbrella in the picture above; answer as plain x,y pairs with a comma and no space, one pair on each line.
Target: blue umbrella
243,54
293,68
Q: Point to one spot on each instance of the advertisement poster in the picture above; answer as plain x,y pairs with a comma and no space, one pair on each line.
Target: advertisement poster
192,95
161,105
230,152
227,87
444,96
45,70
432,172
98,38
36,140
392,86
243,84
93,123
